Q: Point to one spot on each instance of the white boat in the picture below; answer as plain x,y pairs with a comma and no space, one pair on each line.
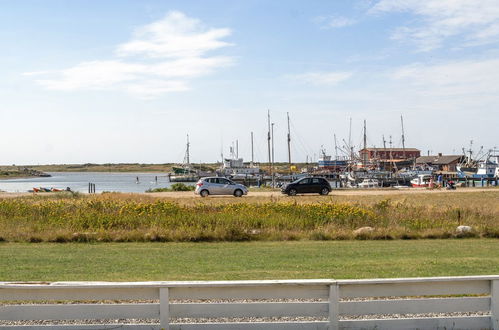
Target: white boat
369,183
421,181
488,168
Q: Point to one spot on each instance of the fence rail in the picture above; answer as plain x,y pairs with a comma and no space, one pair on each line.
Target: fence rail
407,303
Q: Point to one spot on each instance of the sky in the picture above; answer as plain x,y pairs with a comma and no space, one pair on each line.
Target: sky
126,81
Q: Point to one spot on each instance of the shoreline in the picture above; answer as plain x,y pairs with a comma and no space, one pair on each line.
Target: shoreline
274,194
12,177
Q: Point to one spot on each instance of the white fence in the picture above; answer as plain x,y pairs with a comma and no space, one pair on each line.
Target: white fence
411,303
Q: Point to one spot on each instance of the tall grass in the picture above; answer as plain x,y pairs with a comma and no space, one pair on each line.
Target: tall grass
116,217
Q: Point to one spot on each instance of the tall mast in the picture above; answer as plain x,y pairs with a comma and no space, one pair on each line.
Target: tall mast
222,149
335,148
289,143
252,154
350,140
364,158
187,160
365,135
268,140
273,176
390,142
237,149
403,135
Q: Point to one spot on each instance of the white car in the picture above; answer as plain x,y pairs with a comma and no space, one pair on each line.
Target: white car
219,186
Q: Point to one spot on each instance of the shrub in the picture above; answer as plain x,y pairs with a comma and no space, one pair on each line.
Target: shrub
179,186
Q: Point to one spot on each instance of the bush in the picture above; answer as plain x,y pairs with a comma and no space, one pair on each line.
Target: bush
174,187
182,187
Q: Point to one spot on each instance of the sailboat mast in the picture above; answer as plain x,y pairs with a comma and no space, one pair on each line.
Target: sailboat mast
273,175
350,140
252,153
289,143
403,135
187,151
390,142
268,140
364,158
365,135
335,148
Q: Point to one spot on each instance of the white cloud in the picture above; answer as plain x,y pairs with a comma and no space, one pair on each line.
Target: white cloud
175,36
322,78
475,22
332,22
161,57
471,83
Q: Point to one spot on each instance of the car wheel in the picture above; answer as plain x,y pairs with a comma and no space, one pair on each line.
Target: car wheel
204,193
324,191
292,192
238,193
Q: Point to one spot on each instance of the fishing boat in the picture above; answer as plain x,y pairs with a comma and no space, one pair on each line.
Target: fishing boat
326,162
185,172
469,166
488,168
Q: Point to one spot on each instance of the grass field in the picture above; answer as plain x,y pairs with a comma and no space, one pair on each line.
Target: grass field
140,218
246,260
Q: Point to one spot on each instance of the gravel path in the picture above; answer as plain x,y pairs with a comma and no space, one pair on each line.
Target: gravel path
231,319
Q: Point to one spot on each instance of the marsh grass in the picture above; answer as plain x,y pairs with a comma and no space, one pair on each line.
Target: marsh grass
115,217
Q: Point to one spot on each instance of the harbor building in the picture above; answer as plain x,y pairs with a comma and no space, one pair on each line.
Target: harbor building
441,162
388,154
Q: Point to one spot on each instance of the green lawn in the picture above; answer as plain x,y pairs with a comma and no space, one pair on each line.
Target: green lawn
250,260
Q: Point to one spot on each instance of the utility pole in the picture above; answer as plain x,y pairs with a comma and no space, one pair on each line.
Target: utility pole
268,141
273,174
403,135
237,149
252,153
289,144
384,143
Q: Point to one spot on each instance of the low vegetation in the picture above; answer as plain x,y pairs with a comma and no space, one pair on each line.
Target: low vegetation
136,218
179,186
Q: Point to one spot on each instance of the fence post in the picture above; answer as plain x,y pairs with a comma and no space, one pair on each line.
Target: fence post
334,303
494,304
164,309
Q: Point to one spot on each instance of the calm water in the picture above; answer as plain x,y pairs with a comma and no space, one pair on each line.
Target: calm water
78,181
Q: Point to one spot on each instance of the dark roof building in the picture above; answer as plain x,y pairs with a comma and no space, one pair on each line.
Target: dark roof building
442,162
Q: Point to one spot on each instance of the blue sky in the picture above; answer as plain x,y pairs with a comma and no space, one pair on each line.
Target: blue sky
125,81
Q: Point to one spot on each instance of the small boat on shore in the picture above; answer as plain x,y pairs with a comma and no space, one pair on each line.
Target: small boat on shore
44,189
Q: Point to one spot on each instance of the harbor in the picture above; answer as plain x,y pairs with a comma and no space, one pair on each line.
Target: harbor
354,165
